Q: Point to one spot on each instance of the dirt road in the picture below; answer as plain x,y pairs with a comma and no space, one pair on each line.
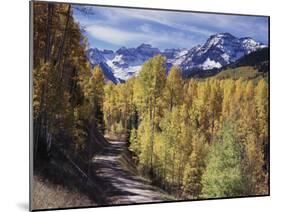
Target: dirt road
121,186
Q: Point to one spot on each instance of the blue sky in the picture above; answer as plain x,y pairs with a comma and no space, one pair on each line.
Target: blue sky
112,28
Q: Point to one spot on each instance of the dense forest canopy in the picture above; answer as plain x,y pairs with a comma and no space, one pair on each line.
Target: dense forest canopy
66,95
195,138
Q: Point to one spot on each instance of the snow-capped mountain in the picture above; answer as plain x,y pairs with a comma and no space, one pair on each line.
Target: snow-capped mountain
124,63
219,50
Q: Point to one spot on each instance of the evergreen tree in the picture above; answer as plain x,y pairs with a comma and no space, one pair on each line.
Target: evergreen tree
223,175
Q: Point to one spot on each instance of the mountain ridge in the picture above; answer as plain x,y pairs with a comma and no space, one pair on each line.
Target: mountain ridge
219,50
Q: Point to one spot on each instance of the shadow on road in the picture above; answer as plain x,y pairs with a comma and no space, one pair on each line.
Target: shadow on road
121,186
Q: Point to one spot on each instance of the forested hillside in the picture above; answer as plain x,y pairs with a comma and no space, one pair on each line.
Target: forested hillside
66,104
60,73
194,138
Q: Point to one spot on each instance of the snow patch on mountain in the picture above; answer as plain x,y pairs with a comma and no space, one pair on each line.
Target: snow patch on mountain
218,50
210,64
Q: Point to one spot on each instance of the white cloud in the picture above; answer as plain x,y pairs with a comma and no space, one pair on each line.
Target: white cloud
204,24
177,20
128,27
113,35
145,28
145,34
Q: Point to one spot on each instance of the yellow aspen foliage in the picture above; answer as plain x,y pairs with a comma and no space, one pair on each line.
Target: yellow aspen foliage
194,168
261,99
173,88
228,91
254,167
